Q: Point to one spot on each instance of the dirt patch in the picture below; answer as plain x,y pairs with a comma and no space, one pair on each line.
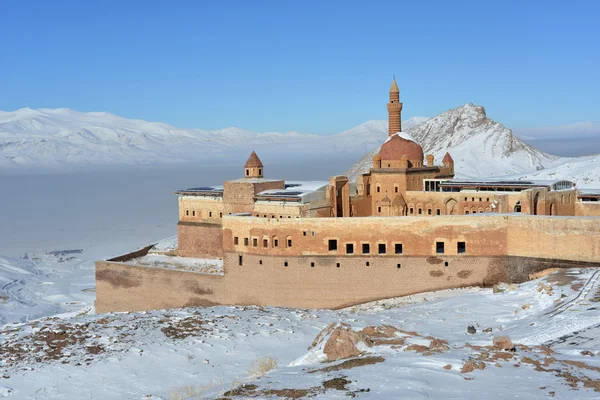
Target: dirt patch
436,274
190,326
465,273
242,390
118,279
97,349
288,393
349,364
337,384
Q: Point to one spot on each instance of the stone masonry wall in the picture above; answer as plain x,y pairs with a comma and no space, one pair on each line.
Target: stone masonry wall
199,239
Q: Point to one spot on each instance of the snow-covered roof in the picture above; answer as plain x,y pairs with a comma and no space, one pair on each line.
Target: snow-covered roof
509,183
202,191
302,191
589,193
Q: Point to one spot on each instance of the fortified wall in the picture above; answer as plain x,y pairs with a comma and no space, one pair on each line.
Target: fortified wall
338,262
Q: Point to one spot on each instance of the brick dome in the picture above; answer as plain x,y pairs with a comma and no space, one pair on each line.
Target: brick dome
397,147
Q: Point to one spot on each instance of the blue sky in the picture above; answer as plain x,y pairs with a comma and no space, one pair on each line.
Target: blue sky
312,66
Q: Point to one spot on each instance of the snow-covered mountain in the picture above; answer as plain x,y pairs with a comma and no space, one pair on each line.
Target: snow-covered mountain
62,139
58,138
482,147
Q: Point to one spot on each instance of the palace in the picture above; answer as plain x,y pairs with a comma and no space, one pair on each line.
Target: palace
406,226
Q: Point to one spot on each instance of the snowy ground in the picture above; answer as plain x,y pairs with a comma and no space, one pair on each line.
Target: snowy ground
209,352
205,265
53,346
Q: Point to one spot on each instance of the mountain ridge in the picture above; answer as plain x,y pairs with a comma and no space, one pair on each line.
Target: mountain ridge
55,139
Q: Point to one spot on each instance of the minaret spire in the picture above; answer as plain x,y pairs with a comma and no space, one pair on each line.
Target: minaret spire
394,109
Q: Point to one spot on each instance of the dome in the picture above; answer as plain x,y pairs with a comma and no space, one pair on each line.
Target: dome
396,147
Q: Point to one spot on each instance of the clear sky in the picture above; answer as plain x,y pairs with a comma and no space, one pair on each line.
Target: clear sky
312,66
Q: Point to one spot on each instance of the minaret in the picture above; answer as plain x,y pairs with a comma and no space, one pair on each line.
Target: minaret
394,110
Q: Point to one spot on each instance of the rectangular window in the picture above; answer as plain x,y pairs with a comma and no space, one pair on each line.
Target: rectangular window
366,248
367,263
265,243
338,265
429,211
285,263
438,212
411,211
461,247
378,189
245,241
349,248
240,260
396,189
312,264
235,240
260,262
381,248
289,241
220,215
254,242
398,248
466,212
398,266
193,213
210,213
303,233
332,244
439,247
275,242
379,209
420,211
187,212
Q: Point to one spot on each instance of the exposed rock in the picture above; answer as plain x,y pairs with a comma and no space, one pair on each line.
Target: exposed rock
472,365
343,342
487,330
471,329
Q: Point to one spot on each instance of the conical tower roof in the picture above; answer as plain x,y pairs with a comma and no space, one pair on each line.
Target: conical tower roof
253,161
394,88
447,159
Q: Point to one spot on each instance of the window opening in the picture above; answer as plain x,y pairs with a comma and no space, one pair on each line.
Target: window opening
439,247
366,248
332,244
398,248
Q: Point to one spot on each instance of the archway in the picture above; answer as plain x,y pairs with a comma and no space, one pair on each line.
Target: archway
552,209
450,207
536,199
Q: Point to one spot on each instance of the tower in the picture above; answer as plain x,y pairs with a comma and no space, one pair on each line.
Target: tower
394,110
253,167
